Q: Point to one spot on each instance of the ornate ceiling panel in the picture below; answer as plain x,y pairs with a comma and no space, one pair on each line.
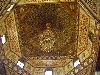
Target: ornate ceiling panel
46,31
10,71
45,1
93,5
49,63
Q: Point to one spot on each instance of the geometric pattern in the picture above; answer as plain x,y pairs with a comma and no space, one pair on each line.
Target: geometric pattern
11,66
92,5
82,66
12,33
45,63
83,39
68,67
14,67
85,54
83,31
46,31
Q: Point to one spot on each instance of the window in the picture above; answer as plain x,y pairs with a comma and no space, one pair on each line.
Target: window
20,64
48,73
76,63
3,39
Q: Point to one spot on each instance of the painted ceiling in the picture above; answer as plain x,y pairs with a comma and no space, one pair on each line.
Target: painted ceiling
46,31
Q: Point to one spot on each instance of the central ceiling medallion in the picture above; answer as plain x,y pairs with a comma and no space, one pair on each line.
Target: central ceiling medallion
47,39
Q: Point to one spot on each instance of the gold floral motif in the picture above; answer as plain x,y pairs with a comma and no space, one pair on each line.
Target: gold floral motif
47,39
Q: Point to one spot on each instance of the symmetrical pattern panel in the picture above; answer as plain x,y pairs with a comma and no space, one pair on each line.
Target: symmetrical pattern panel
12,33
83,31
47,30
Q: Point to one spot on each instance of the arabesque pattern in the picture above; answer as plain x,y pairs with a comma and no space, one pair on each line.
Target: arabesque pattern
47,31
83,31
12,33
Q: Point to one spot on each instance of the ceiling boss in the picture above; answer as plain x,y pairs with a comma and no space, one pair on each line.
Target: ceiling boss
47,39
